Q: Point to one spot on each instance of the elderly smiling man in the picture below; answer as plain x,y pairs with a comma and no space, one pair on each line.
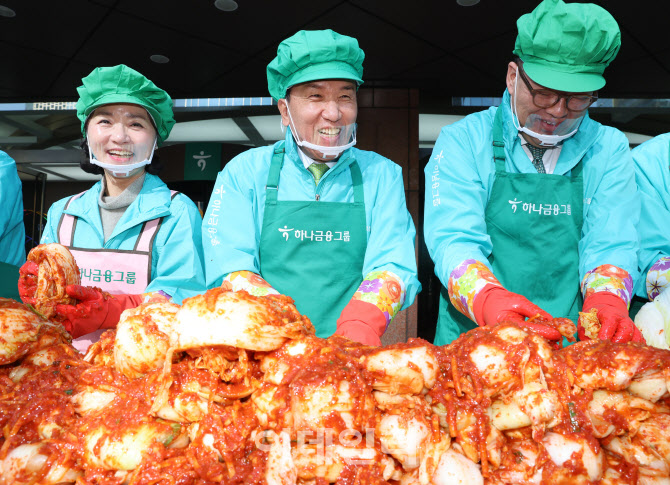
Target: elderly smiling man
532,199
312,217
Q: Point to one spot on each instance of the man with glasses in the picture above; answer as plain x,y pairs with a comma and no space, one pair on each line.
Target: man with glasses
531,207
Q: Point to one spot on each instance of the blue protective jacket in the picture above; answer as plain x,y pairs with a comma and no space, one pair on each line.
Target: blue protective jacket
652,173
460,175
12,231
234,218
177,260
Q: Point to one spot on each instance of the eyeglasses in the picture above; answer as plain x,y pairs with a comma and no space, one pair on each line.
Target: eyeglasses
546,98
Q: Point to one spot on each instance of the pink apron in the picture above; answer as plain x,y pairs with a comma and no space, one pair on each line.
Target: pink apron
116,271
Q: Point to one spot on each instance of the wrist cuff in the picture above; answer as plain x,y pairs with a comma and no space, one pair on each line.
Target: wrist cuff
611,279
249,281
466,282
658,277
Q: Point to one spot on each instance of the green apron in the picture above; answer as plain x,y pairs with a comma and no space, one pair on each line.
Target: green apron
535,240
635,305
9,281
314,251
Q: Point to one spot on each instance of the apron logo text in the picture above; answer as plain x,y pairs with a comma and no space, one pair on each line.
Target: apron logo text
435,179
543,209
108,276
318,236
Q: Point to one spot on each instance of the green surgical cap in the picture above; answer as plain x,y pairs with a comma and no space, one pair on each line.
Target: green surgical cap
121,84
567,46
312,55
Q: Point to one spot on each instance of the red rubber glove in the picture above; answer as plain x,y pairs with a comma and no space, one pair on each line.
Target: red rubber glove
637,336
96,309
615,324
494,305
28,281
362,322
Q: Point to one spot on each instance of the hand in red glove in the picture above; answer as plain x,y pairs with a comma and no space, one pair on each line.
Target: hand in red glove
494,304
362,322
96,309
28,282
615,324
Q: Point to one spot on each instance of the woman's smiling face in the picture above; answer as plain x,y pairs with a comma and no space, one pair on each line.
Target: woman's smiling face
120,134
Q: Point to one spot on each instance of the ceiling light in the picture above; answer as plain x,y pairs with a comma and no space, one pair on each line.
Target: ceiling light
6,12
159,59
467,3
226,5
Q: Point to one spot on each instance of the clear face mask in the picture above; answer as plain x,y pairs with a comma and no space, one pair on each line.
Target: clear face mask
329,143
546,130
120,160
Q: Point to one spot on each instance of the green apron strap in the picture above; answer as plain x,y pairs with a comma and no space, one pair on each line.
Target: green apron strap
9,281
357,180
577,170
498,142
272,186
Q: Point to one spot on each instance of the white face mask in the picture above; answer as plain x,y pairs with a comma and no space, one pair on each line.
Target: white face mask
565,129
121,171
332,152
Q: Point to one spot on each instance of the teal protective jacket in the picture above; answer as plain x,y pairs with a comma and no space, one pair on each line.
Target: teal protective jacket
12,231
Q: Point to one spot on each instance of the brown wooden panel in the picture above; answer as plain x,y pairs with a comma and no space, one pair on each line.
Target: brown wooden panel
365,98
397,330
391,98
415,172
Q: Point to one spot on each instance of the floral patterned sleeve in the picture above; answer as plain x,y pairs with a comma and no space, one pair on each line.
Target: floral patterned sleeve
658,277
610,278
253,283
385,290
155,297
465,283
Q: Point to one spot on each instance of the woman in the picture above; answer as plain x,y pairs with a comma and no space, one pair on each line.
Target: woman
131,236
